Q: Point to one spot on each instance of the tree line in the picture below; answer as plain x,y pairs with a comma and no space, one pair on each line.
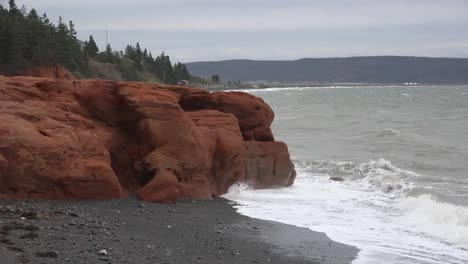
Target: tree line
28,39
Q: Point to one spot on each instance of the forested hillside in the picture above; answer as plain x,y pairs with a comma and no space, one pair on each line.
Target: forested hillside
28,39
377,69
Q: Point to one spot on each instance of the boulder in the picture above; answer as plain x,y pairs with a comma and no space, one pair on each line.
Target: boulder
336,179
268,164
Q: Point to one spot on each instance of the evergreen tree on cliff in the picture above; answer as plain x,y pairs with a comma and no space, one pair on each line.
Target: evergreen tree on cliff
138,56
28,40
91,48
13,39
12,5
181,72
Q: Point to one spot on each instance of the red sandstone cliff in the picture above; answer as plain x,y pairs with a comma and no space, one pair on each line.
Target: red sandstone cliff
88,139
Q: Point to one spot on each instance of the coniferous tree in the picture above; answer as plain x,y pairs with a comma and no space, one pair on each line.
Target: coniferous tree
215,78
138,58
109,55
27,39
91,48
181,72
12,5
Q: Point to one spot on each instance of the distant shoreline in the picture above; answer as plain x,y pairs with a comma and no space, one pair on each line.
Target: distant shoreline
250,86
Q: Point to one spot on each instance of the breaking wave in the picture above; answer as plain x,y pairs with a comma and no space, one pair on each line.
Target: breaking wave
378,174
374,209
389,132
428,215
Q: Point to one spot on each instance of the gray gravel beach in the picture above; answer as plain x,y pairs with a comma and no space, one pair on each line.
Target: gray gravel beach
131,231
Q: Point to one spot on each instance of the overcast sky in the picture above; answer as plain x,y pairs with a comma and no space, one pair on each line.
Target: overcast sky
194,30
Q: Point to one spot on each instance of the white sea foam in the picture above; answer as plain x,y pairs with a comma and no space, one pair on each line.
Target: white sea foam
427,215
301,88
370,209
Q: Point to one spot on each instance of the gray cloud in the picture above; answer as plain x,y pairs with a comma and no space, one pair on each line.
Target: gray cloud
192,30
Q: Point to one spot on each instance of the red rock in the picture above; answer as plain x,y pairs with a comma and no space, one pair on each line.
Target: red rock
268,164
254,115
225,146
89,139
163,188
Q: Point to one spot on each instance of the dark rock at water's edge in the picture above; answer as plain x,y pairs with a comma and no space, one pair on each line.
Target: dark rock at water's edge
94,139
336,178
132,231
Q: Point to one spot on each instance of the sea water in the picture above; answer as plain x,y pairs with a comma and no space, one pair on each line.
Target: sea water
403,152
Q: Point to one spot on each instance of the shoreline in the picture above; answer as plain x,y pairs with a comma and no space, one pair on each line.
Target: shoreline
130,231
249,86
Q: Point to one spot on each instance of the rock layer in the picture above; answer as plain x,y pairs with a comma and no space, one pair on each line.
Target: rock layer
90,139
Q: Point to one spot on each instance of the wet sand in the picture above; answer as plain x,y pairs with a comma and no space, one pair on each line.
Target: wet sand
132,231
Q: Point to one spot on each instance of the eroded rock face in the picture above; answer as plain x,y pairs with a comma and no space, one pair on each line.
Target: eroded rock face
253,114
89,139
267,164
49,153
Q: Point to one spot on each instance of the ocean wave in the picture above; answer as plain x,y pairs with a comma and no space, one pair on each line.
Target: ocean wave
427,215
273,89
378,174
389,132
350,168
297,88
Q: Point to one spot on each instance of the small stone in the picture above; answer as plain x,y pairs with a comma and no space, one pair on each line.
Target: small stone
103,252
169,226
219,231
23,218
73,215
171,210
